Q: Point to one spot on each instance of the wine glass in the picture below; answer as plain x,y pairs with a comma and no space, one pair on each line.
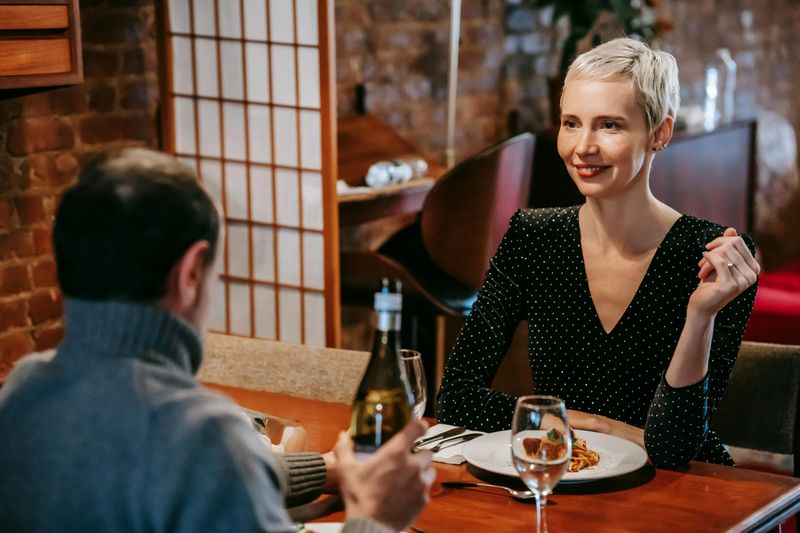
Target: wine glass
541,447
415,372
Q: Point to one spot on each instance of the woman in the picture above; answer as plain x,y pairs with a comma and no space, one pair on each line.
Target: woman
635,312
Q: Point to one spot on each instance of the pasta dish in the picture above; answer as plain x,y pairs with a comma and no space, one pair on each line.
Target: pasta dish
552,447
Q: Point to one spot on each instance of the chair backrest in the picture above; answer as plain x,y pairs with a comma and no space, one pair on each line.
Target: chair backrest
312,372
760,408
466,213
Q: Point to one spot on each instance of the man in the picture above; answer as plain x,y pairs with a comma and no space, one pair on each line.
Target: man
114,433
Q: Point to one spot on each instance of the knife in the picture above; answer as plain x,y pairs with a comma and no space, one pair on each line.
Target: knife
443,435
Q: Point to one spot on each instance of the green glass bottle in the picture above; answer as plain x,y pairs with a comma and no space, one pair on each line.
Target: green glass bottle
382,406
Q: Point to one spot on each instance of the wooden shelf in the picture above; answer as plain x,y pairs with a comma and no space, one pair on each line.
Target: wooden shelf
40,44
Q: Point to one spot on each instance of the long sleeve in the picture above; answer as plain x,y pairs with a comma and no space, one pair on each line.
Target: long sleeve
678,422
304,476
465,397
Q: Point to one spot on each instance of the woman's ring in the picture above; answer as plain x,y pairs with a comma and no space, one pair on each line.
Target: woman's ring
730,266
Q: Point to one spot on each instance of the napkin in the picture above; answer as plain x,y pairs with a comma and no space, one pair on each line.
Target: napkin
451,454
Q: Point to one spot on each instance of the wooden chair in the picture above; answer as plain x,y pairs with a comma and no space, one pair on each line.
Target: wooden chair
325,374
761,406
442,258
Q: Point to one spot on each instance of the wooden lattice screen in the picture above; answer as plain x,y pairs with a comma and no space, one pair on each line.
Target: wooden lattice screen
248,101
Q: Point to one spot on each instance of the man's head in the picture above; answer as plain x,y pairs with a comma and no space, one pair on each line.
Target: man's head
138,227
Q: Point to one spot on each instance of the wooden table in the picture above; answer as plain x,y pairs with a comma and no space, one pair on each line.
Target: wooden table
702,498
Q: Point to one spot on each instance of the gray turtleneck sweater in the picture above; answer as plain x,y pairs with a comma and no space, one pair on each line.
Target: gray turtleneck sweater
115,434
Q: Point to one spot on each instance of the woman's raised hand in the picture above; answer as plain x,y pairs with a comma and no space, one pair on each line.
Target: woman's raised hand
727,269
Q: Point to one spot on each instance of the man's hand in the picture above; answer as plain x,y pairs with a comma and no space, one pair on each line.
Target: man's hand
390,487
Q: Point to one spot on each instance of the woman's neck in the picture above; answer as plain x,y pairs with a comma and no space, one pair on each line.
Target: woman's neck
628,224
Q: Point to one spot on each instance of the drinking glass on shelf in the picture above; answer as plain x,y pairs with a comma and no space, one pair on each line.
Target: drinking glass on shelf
415,372
541,447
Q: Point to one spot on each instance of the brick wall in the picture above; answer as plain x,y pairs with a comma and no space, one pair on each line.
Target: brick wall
399,50
43,139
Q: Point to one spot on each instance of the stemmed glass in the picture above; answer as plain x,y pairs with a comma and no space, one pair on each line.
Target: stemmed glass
415,372
540,447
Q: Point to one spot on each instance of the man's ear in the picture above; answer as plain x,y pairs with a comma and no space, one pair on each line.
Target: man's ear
189,273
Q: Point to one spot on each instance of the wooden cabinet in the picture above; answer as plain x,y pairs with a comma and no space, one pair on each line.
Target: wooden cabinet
40,43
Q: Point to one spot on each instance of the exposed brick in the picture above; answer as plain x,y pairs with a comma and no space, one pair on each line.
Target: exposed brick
133,61
65,101
45,305
48,337
43,240
5,370
102,97
100,63
14,345
97,129
14,279
6,210
7,175
38,135
35,105
13,314
53,170
17,244
111,26
139,94
89,5
44,274
31,210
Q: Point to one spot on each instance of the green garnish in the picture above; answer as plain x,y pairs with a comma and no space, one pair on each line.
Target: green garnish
555,435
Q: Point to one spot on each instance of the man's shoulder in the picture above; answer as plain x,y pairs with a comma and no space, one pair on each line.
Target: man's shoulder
189,405
25,368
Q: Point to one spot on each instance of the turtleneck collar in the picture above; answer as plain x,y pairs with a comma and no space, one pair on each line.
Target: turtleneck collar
125,329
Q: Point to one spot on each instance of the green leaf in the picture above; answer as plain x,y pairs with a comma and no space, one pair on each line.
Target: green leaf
555,435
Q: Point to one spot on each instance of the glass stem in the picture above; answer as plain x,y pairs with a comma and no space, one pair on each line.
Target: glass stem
541,516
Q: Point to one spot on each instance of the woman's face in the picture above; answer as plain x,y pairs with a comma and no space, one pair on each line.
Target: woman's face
603,138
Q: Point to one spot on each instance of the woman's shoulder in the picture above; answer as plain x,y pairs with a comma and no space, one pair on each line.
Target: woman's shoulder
545,217
703,231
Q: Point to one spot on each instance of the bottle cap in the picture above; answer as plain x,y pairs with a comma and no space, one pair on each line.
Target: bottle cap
390,297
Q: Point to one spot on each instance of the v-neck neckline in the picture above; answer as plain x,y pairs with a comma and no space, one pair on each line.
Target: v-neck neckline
642,282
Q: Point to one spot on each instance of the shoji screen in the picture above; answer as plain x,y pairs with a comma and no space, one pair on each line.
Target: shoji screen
248,102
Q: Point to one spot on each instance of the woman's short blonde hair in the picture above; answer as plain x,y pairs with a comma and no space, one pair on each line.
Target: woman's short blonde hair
654,75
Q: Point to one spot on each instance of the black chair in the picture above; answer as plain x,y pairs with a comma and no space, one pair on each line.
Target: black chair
761,406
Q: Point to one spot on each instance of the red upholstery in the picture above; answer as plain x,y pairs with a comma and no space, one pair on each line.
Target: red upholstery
776,313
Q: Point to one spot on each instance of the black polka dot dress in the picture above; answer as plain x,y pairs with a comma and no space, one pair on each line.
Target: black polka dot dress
538,275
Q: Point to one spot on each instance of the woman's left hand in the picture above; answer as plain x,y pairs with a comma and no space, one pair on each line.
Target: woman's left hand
603,424
727,269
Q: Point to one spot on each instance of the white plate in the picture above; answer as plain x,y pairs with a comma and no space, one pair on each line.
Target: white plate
618,456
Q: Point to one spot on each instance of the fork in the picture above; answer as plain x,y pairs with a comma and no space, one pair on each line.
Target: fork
522,495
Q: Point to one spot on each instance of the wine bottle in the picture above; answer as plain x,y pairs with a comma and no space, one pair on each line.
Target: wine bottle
383,401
